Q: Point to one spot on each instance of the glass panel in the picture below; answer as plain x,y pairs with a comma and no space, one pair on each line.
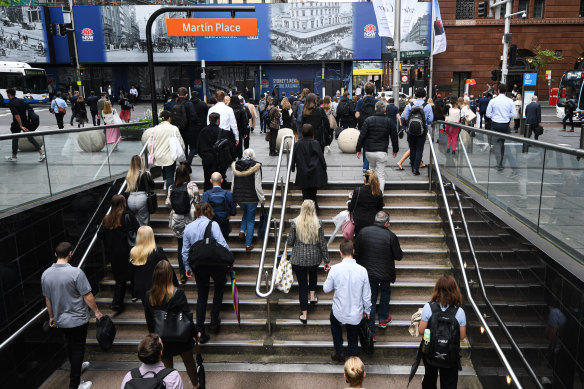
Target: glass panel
128,145
515,178
562,205
538,8
473,159
25,179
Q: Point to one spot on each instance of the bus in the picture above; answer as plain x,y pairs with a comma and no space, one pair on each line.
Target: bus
30,83
571,87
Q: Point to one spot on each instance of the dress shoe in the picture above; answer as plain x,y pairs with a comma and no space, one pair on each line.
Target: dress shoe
338,358
214,326
416,172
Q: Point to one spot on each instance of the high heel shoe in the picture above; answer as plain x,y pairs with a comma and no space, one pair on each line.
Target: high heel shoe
315,301
303,321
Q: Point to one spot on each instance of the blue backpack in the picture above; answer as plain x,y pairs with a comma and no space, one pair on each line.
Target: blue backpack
218,200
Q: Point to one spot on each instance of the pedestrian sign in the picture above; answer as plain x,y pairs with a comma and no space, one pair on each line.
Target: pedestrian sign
529,79
79,83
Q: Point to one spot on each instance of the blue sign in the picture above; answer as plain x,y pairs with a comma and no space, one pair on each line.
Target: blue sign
529,79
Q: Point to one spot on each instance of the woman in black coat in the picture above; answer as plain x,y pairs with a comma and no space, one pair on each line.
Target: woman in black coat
116,226
309,158
366,201
315,116
165,297
242,124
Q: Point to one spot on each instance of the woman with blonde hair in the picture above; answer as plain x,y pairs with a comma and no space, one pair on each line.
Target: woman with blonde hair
287,118
309,248
446,297
143,258
138,182
366,201
354,372
518,106
164,296
110,116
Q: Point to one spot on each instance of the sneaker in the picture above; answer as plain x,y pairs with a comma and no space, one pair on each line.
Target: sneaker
514,174
42,157
328,149
85,385
10,159
85,366
373,336
384,323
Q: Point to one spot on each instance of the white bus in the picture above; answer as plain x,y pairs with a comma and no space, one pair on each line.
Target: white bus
30,83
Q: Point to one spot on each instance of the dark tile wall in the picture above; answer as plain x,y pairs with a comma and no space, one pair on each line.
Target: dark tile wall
27,242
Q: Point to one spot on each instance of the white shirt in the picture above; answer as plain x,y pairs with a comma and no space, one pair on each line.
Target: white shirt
501,109
227,120
134,92
352,291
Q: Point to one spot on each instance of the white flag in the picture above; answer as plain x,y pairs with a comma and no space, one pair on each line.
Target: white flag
385,16
439,34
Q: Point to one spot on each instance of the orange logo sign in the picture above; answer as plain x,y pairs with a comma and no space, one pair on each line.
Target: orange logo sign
212,27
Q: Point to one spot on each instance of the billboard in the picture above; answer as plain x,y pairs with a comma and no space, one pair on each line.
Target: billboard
306,31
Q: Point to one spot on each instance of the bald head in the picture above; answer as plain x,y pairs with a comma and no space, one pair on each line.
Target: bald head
216,179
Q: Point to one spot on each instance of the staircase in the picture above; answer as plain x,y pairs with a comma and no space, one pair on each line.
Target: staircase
297,350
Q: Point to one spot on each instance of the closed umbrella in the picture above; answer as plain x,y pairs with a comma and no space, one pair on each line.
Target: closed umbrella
235,296
200,367
416,364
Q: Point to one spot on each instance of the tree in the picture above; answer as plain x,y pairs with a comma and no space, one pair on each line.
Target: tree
542,58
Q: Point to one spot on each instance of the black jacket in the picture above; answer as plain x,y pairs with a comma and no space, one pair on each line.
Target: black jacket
320,123
533,113
92,102
286,119
242,120
364,206
350,109
201,109
207,139
309,160
190,132
376,131
376,249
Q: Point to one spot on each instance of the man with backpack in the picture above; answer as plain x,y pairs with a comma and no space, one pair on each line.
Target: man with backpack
201,110
419,116
365,108
23,119
569,109
214,150
151,374
222,202
184,116
345,112
227,120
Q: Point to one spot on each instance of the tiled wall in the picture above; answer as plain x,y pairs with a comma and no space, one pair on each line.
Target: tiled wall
27,242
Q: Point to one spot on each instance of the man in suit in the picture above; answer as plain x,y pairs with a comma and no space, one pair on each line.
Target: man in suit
533,117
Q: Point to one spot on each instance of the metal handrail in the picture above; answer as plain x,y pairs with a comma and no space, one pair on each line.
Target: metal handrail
70,130
81,262
465,279
283,143
484,294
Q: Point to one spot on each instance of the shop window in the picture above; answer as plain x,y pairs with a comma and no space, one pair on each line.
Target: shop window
524,5
582,8
538,6
465,9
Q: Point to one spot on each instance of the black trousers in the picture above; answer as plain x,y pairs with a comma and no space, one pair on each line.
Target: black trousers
75,338
119,293
203,276
448,377
32,140
95,118
59,116
307,280
310,194
416,144
273,139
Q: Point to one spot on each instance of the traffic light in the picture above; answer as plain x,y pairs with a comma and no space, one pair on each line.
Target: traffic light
495,75
255,73
52,29
81,71
512,55
483,9
263,74
62,29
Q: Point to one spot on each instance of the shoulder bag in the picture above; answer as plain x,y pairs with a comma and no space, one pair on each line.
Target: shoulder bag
208,253
365,336
349,225
151,153
172,326
176,151
151,197
284,278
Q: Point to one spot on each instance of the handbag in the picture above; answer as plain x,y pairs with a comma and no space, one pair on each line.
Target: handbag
365,336
208,253
62,110
172,326
538,130
151,153
470,116
105,333
176,151
117,119
348,226
268,136
263,224
151,198
284,278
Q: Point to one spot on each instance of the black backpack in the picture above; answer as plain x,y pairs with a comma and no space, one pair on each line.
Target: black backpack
178,115
139,382
343,109
208,253
444,350
180,200
367,109
32,119
417,120
569,107
105,333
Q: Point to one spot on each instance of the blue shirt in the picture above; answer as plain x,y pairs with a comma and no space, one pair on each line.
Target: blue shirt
427,111
360,102
222,212
501,109
460,315
194,232
58,102
352,291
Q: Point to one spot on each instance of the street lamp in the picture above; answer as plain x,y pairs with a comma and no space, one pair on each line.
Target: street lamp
507,34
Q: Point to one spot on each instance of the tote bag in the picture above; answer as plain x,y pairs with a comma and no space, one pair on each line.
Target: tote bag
284,276
176,151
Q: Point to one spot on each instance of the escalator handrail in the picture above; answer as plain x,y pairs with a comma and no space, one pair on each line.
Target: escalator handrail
478,313
292,141
39,315
488,301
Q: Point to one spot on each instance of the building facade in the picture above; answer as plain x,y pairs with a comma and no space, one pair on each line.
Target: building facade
475,44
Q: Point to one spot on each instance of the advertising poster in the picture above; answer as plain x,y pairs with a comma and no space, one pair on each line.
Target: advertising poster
22,34
415,40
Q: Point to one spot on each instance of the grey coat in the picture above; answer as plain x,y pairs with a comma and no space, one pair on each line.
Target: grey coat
306,254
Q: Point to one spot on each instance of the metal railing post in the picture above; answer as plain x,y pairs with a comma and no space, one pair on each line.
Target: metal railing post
269,322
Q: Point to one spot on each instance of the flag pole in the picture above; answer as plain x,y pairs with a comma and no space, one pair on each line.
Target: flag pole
431,79
396,47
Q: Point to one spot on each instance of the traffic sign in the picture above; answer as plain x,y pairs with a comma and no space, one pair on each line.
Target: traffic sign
404,79
529,79
548,74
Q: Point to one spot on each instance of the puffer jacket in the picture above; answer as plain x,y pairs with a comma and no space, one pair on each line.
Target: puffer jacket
247,181
376,131
377,249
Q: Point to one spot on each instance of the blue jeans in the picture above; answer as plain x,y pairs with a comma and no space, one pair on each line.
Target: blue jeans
352,337
263,124
365,161
248,220
383,312
569,118
168,175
